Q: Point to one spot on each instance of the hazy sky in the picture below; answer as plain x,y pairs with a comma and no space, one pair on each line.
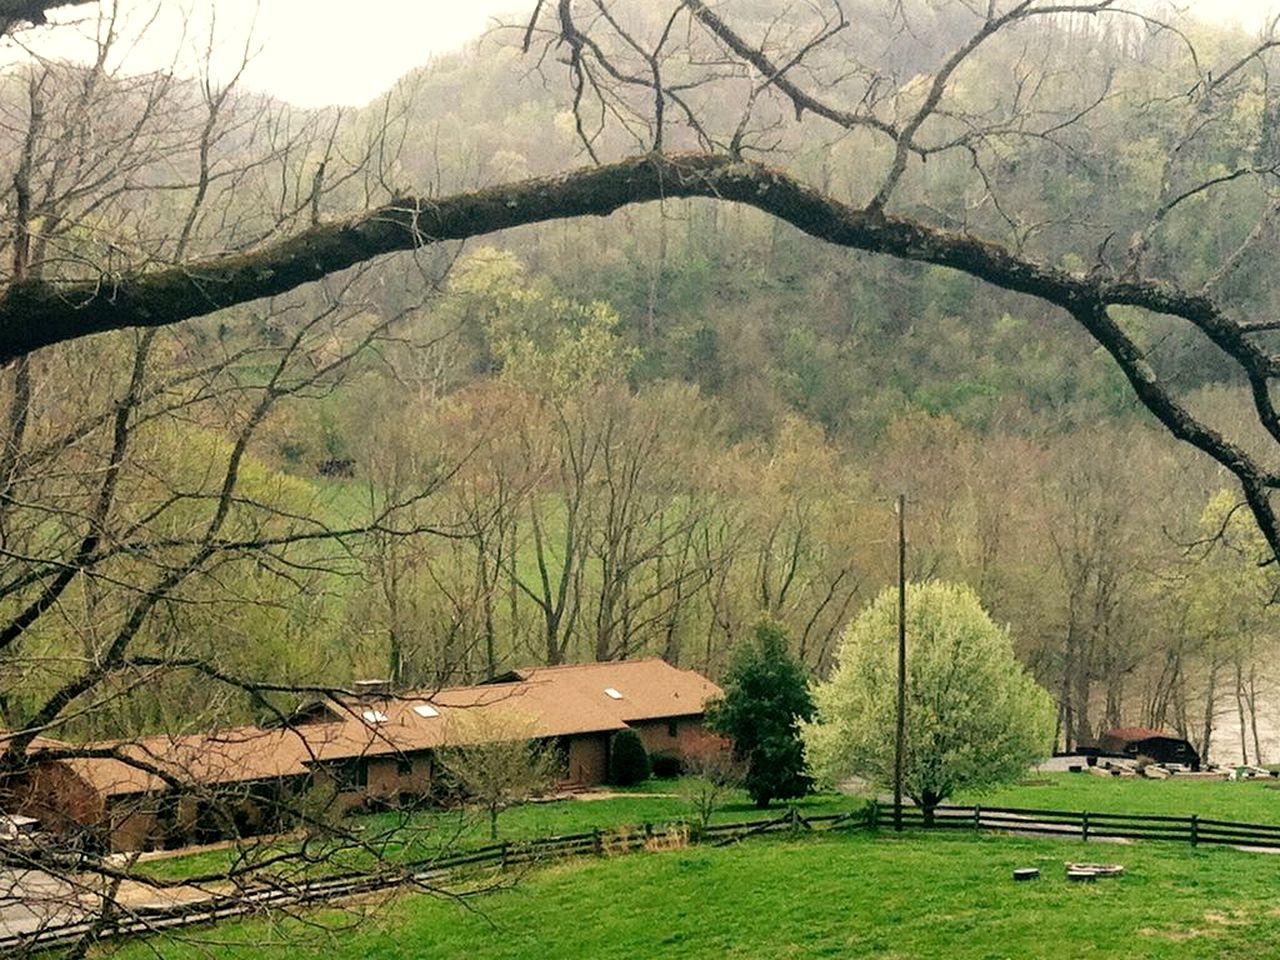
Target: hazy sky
314,52
309,52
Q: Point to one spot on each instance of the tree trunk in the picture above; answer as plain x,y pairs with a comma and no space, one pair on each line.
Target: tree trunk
1082,690
1115,699
487,586
1064,692
1207,737
395,657
1253,714
1061,733
928,804
1244,737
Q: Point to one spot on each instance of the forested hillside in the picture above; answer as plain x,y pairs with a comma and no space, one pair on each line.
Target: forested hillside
630,436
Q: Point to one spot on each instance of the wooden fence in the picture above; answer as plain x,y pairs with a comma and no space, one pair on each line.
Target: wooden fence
437,872
1090,826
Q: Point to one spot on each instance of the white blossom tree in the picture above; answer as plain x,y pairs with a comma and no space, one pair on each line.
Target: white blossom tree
974,717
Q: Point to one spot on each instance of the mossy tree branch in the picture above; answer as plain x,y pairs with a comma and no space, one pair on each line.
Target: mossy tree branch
37,313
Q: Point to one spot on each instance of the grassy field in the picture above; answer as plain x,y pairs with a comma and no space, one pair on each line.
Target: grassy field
856,894
420,835
1247,800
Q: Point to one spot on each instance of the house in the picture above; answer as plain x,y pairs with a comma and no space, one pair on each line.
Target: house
1162,746
346,751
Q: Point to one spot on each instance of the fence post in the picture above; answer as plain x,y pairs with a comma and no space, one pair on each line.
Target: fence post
505,844
648,831
977,816
1084,827
598,844
1195,829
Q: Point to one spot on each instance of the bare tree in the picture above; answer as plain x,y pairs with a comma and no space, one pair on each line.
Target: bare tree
151,554
495,763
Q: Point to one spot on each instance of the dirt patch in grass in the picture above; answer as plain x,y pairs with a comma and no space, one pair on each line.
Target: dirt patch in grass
1231,919
1176,936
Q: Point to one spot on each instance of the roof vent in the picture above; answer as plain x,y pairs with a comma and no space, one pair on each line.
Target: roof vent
610,692
374,716
426,710
372,689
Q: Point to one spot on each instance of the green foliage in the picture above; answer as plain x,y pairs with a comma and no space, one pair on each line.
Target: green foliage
1229,588
535,336
628,759
1230,585
584,352
974,718
766,697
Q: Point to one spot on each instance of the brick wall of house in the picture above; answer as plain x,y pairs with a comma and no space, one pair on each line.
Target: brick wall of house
588,759
419,782
686,737
383,778
133,824
57,797
391,776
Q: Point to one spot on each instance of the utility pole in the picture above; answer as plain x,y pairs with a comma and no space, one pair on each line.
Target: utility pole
900,744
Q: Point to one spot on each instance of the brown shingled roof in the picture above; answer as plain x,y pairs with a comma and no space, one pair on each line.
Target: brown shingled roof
651,689
542,702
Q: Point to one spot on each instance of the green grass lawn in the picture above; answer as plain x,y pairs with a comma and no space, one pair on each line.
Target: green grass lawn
1247,800
851,894
423,834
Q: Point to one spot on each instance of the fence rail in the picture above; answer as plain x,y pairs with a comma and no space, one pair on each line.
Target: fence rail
1088,825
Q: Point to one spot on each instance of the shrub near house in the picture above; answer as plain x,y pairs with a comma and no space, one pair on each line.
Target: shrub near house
628,761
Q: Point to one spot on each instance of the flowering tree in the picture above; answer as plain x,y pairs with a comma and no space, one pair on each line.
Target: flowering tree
975,717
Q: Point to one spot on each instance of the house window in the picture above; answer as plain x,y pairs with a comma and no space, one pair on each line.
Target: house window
612,694
351,774
672,728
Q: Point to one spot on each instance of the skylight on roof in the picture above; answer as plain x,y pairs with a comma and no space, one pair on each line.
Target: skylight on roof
610,692
426,710
374,716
